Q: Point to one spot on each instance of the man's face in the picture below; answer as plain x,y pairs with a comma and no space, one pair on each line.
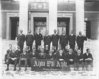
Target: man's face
55,31
79,51
80,33
66,47
88,51
21,31
42,50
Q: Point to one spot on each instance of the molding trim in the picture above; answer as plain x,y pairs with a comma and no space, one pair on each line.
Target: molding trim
66,11
91,11
8,34
38,15
69,16
12,11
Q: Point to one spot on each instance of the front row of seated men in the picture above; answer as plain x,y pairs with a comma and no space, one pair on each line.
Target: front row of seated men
75,58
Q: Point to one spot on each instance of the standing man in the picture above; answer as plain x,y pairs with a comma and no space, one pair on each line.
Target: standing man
63,40
55,39
80,41
38,38
21,40
29,40
47,41
72,39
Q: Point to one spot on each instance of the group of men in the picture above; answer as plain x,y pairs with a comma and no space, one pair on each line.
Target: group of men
58,41
70,55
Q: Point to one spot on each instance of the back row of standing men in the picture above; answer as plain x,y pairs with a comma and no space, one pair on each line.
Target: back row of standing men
62,40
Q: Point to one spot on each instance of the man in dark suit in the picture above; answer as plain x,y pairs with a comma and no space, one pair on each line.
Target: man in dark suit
55,39
70,57
29,40
60,55
21,40
12,58
47,41
8,53
88,58
38,38
72,39
80,41
79,59
63,40
23,59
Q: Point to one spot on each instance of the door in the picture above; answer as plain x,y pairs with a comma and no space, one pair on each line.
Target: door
63,25
40,24
88,29
14,27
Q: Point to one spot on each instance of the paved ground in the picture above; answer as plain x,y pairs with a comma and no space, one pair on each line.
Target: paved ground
92,44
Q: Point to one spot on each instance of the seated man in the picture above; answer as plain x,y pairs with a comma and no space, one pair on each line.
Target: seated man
54,53
33,54
23,59
18,52
49,56
66,50
8,53
11,58
88,59
78,59
42,54
60,55
70,57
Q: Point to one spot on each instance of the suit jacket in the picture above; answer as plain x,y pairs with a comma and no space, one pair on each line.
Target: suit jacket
38,38
55,39
47,40
63,39
21,39
72,40
29,39
80,40
85,56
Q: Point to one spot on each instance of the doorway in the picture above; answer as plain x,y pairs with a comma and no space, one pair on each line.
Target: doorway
63,24
14,23
88,29
40,24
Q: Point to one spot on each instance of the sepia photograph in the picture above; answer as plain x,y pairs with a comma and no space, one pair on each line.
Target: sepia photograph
49,39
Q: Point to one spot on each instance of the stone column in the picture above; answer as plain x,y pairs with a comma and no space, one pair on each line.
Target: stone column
23,16
0,22
52,16
80,27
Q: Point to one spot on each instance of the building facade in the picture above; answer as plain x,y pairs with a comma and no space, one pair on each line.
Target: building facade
72,16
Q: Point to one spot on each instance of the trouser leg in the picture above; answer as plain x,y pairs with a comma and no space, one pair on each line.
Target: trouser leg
82,49
15,63
25,64
21,48
7,66
8,63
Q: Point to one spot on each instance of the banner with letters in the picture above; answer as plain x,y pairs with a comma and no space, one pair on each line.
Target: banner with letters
45,64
